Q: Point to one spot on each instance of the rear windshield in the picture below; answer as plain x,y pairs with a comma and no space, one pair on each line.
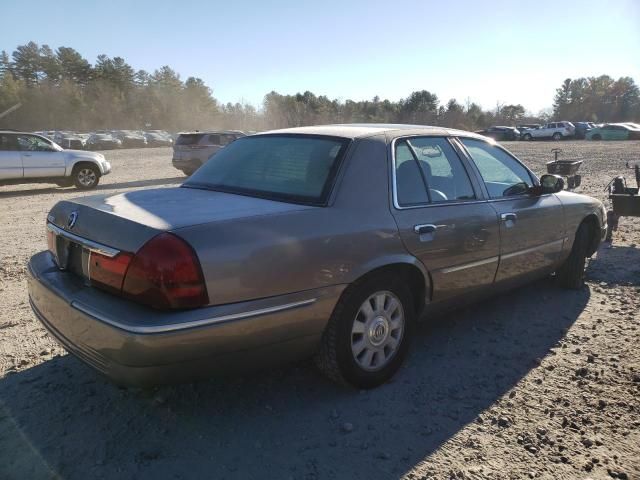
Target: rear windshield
290,168
188,139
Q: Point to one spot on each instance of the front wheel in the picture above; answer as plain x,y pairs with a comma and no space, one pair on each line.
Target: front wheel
368,334
596,137
527,136
557,136
86,177
571,273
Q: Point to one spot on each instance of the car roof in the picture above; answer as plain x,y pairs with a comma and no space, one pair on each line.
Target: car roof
362,130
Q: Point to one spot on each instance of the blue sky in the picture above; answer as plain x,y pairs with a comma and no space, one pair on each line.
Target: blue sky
488,51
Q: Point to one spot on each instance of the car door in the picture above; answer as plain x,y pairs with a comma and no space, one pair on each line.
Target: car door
10,157
442,216
619,132
40,158
532,232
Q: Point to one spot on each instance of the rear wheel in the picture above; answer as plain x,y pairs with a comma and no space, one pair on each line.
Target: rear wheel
527,136
86,177
557,136
596,136
571,273
369,332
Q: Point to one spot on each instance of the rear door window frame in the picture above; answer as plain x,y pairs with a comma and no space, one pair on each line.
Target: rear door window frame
476,184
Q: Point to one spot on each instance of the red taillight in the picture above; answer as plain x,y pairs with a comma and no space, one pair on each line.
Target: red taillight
165,273
108,272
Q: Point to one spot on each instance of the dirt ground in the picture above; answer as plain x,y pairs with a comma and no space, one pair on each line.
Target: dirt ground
538,383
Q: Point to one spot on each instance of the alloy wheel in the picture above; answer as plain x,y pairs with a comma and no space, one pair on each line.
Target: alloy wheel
377,331
86,177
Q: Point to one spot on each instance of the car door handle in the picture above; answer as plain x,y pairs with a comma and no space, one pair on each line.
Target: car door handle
424,229
26,154
509,219
426,232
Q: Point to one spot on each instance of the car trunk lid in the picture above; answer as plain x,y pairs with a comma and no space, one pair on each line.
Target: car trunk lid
126,221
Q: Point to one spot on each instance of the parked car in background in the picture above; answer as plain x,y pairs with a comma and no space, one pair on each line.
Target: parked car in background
30,158
614,131
103,141
327,241
131,138
69,140
192,149
158,139
46,133
553,130
581,129
500,133
526,126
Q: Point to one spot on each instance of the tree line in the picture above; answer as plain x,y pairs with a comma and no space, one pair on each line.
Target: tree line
60,89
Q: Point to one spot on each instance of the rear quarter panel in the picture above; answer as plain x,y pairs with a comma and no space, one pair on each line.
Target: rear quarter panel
269,255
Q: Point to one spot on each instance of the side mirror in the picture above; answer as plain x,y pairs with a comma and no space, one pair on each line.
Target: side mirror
551,184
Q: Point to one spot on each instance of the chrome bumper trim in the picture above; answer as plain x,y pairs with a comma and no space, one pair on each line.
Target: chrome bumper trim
150,329
88,244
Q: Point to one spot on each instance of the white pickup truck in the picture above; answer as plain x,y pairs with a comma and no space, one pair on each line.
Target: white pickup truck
31,158
553,130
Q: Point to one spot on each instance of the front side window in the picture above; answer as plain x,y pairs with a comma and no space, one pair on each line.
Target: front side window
31,143
429,170
290,168
502,174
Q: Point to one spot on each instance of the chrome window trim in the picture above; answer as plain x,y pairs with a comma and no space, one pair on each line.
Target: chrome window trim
173,327
394,187
86,243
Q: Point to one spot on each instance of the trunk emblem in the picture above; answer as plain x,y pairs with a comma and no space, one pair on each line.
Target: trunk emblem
73,217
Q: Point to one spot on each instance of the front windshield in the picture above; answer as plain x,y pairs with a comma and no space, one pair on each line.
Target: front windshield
290,168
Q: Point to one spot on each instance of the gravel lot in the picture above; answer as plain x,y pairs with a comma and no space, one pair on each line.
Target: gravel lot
539,383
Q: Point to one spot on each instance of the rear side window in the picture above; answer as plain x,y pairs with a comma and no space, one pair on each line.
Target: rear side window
8,142
410,188
30,143
188,139
295,168
213,139
429,170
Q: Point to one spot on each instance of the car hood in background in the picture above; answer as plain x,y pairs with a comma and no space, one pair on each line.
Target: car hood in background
127,220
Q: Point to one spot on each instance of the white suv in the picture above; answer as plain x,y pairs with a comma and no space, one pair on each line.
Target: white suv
30,158
554,130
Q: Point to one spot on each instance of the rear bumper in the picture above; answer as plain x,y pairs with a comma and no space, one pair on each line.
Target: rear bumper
190,165
136,345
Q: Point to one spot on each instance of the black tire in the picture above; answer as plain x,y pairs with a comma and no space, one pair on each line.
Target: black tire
335,358
571,273
86,176
527,137
596,137
557,136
